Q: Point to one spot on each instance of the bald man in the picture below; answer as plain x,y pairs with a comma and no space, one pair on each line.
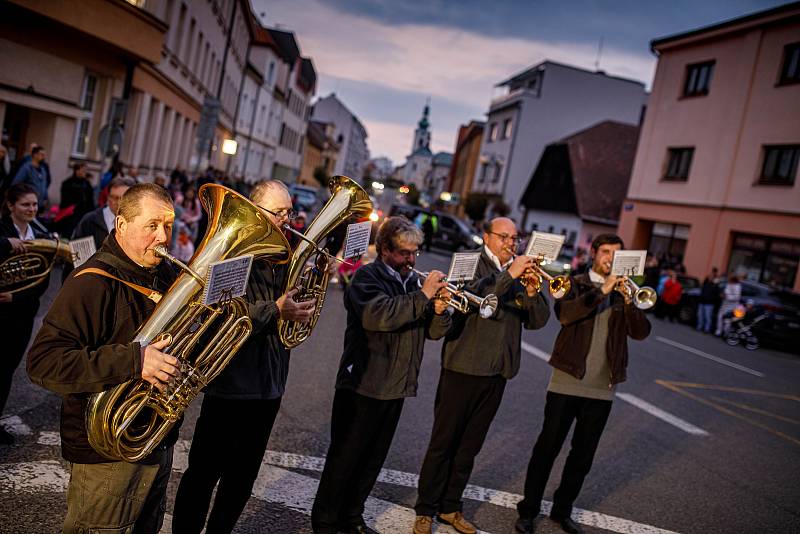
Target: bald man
478,357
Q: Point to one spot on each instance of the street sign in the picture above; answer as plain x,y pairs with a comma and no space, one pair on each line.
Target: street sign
109,140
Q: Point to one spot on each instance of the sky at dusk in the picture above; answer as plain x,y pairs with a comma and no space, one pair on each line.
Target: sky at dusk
385,58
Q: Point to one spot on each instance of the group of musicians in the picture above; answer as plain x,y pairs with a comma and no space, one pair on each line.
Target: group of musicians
84,347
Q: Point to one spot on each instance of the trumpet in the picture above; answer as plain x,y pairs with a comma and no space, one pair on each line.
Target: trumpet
643,298
460,299
559,286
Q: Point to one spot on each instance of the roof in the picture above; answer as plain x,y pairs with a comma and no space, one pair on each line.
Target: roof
316,134
307,77
443,158
287,45
527,73
586,173
422,151
753,19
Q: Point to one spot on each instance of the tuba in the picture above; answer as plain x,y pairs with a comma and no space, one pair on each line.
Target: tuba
34,265
129,420
347,200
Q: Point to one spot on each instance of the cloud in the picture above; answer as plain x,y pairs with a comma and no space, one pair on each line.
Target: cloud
450,64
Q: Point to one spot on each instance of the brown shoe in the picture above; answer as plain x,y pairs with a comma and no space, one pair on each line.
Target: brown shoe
457,521
422,525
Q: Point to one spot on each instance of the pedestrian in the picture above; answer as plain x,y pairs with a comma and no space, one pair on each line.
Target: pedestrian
5,171
115,171
240,405
85,346
182,247
34,173
99,222
731,297
709,298
589,359
671,295
191,212
427,230
478,357
388,318
17,310
77,199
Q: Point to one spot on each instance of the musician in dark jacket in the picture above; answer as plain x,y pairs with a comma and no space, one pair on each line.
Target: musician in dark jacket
85,346
590,358
240,405
388,318
478,357
17,310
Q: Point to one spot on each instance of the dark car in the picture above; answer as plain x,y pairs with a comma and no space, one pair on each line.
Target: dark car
781,330
450,232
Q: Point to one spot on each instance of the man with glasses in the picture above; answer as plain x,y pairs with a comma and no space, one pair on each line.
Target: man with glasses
388,318
478,357
240,405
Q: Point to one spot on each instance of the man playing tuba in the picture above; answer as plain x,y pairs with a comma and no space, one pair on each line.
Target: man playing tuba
84,347
240,405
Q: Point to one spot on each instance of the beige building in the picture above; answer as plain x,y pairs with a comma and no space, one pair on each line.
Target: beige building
320,152
465,161
715,181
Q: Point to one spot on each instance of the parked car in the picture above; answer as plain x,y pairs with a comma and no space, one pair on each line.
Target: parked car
450,232
780,330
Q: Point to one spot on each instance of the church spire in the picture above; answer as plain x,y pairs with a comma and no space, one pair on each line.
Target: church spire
422,135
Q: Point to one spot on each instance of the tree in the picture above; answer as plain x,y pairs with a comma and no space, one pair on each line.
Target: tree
475,206
321,175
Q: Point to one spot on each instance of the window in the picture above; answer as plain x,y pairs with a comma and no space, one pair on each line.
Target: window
790,71
484,170
506,129
271,72
698,79
498,171
678,164
492,135
178,36
83,125
780,165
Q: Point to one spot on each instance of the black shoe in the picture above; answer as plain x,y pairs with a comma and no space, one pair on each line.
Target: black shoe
527,525
568,525
6,438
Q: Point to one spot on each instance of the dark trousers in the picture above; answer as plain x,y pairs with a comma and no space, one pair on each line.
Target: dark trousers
464,408
362,429
228,446
590,416
16,325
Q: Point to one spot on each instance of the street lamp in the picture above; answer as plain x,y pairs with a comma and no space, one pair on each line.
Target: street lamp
229,147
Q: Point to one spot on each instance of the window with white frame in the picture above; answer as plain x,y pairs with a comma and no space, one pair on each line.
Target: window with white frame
83,125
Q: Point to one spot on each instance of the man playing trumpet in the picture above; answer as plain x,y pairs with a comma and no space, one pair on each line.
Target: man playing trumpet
589,359
478,357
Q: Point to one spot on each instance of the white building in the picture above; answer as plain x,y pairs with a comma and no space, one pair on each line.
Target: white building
419,162
544,103
349,134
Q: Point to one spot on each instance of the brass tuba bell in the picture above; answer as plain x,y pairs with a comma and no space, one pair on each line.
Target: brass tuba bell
347,200
129,420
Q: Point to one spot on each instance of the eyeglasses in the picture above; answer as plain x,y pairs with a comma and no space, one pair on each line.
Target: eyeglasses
505,237
289,213
407,253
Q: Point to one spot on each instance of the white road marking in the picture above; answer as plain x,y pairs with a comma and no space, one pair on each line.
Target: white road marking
278,485
14,424
667,417
698,352
539,353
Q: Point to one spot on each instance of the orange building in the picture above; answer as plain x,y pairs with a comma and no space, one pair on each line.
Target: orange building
465,161
714,181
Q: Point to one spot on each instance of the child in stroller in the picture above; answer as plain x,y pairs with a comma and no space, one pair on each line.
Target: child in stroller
739,324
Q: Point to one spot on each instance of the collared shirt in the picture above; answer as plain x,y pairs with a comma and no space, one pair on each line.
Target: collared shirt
496,260
394,274
108,217
28,233
597,278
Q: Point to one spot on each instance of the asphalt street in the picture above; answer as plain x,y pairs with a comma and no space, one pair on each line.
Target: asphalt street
702,438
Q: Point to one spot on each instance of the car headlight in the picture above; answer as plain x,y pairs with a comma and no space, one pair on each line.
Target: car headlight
477,239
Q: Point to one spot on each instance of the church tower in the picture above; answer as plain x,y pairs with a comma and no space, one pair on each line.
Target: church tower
422,135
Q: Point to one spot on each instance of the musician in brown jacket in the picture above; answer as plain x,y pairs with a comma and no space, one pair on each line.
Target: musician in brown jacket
590,358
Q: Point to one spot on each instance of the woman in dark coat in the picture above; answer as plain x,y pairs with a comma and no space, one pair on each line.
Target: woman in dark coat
17,310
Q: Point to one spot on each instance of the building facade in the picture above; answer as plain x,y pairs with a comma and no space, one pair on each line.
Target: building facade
349,134
320,153
465,161
544,103
715,177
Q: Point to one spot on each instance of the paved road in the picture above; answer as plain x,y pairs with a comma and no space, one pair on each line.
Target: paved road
702,438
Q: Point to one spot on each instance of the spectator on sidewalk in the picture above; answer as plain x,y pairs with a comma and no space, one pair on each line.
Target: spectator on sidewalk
709,297
673,290
731,297
36,174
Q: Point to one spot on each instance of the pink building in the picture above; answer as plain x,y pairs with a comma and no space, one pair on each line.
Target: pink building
715,179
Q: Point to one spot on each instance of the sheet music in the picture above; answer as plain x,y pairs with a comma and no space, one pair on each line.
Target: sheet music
628,262
463,266
544,244
227,279
82,249
356,241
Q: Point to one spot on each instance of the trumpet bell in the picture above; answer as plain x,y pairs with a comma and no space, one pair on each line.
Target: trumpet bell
560,286
488,306
645,298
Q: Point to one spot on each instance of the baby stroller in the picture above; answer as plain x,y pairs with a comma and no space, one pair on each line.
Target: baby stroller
740,325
